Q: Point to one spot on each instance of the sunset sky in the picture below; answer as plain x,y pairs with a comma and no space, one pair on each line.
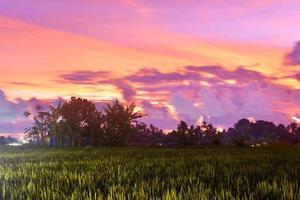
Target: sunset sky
189,60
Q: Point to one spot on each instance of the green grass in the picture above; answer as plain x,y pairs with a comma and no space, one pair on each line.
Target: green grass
149,173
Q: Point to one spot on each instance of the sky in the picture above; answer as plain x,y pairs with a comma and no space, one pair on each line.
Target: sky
177,60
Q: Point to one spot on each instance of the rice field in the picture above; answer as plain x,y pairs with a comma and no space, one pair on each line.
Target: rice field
150,173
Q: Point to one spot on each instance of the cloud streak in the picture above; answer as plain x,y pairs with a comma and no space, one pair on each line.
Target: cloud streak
84,77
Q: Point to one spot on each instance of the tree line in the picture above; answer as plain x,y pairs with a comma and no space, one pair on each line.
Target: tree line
7,140
77,122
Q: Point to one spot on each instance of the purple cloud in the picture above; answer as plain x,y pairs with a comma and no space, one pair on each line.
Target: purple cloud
127,90
84,77
153,76
224,96
293,58
212,93
98,77
158,115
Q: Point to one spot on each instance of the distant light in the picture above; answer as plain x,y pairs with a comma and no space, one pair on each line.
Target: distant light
296,119
24,141
14,144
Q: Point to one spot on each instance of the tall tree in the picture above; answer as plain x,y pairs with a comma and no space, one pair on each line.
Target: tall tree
39,130
208,132
54,124
182,132
242,128
119,122
82,121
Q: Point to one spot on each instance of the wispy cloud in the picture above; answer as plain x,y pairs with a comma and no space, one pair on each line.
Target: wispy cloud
84,77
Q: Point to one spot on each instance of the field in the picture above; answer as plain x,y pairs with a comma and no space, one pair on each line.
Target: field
150,173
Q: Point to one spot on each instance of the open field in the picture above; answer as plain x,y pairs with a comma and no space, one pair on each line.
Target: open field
150,173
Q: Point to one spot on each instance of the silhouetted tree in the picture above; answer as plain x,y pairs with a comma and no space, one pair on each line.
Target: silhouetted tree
119,122
82,122
282,133
182,131
191,138
208,133
146,135
242,128
189,135
77,122
54,124
39,130
263,131
294,132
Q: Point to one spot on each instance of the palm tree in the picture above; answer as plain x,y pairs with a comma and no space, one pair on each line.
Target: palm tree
119,122
54,118
38,131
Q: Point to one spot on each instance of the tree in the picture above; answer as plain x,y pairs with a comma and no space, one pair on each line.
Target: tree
242,128
82,122
38,131
294,131
282,133
146,135
77,122
263,131
182,131
208,132
186,135
119,122
191,136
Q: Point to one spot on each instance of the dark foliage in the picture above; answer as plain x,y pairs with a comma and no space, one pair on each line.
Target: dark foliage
77,122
